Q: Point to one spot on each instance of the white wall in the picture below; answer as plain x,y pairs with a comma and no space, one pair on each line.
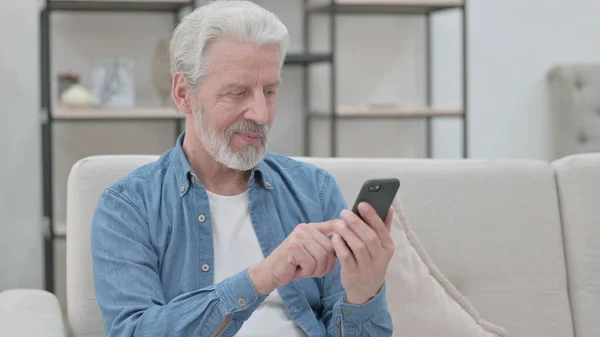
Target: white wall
20,175
513,43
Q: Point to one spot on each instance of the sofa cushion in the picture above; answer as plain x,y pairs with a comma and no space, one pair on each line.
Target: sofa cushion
578,179
421,300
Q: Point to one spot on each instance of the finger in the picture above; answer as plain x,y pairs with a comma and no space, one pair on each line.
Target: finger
320,256
325,228
327,245
388,219
343,253
386,240
322,240
304,261
364,232
331,261
377,224
357,246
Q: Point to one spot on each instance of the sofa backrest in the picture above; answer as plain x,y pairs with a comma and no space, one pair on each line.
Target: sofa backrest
578,180
87,180
492,227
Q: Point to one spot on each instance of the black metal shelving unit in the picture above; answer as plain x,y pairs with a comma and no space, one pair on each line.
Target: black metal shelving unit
426,8
304,60
50,117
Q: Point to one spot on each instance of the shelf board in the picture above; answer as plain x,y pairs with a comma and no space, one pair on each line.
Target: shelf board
391,112
83,114
305,59
383,6
118,5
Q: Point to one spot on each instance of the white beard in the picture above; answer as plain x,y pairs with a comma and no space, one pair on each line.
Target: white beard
244,159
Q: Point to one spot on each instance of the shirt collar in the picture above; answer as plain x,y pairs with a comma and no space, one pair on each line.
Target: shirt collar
261,175
184,171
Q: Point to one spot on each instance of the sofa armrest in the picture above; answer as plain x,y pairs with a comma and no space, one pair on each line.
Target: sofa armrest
29,312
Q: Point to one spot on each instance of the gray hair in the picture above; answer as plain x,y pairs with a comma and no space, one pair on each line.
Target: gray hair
243,21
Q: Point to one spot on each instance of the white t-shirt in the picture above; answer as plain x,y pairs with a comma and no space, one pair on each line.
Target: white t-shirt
237,248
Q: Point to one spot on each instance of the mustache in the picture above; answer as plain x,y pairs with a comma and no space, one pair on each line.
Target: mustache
246,126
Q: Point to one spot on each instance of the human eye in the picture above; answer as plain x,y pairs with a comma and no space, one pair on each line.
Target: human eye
270,92
238,93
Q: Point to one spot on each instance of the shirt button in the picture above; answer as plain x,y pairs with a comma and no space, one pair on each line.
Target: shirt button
268,184
205,267
347,311
182,189
201,218
241,302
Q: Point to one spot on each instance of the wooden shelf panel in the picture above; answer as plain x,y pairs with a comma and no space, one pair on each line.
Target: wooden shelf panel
383,6
67,114
118,5
392,112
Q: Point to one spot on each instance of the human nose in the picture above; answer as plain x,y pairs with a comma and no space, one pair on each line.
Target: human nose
258,109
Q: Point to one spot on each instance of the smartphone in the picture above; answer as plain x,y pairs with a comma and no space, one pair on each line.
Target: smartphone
379,193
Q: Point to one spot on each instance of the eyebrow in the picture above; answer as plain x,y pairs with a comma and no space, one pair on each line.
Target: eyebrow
237,84
231,85
276,83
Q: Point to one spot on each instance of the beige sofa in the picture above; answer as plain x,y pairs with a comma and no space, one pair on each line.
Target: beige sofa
519,238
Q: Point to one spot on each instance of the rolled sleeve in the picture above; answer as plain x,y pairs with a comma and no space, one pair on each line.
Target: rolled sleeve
357,314
238,296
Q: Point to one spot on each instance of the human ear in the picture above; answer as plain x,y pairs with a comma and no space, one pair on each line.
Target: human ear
182,95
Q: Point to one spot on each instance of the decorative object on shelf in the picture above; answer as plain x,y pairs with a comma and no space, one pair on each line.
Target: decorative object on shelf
113,83
77,96
161,73
65,81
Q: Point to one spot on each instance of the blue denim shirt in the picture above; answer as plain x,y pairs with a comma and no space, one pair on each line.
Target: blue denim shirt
152,249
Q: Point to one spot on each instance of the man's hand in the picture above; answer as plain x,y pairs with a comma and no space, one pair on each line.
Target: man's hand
306,252
364,249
